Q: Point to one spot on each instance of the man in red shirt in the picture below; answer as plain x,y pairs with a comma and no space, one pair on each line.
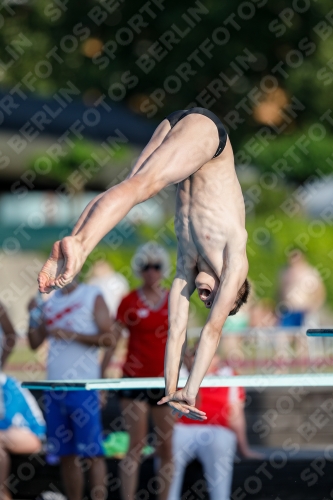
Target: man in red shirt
214,440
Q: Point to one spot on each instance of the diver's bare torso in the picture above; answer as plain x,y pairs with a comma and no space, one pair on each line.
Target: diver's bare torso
210,212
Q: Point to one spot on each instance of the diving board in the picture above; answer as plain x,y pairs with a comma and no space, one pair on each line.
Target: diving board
320,332
259,380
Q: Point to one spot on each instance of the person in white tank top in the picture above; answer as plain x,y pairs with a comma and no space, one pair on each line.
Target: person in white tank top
73,312
76,323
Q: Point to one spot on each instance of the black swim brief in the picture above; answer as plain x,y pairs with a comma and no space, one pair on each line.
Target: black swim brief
176,116
150,396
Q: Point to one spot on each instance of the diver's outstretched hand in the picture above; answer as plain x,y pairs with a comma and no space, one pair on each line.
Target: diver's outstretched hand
64,263
182,405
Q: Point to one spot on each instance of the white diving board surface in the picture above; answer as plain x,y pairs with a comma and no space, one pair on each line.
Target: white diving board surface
260,380
320,332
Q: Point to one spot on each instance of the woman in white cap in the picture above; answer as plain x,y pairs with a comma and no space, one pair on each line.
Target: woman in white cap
144,312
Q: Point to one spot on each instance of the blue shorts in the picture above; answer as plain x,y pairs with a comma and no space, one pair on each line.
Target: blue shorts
292,318
73,420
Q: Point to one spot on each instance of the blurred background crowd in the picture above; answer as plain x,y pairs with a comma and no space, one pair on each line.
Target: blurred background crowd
82,87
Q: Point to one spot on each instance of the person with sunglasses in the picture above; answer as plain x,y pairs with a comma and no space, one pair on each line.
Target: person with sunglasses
144,313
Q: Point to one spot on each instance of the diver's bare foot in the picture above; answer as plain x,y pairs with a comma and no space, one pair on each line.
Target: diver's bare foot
64,263
74,258
51,269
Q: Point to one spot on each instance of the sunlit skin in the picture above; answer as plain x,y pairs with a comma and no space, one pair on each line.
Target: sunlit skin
210,228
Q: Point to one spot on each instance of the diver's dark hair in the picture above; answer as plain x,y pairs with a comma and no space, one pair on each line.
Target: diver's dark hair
242,296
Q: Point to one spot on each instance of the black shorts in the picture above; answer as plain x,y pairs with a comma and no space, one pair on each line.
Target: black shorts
176,116
149,396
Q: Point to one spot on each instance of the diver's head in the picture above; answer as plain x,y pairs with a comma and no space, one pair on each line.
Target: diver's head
207,284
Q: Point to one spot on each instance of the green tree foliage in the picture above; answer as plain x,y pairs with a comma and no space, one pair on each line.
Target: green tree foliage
77,155
268,251
302,156
212,53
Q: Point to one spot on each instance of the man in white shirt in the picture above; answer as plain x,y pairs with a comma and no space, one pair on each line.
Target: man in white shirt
214,440
114,286
76,322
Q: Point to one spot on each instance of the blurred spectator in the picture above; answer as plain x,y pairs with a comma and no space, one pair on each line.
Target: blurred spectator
22,427
301,291
144,312
76,322
212,441
263,317
7,336
262,314
114,286
234,330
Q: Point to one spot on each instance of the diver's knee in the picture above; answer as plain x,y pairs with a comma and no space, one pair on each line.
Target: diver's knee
147,186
